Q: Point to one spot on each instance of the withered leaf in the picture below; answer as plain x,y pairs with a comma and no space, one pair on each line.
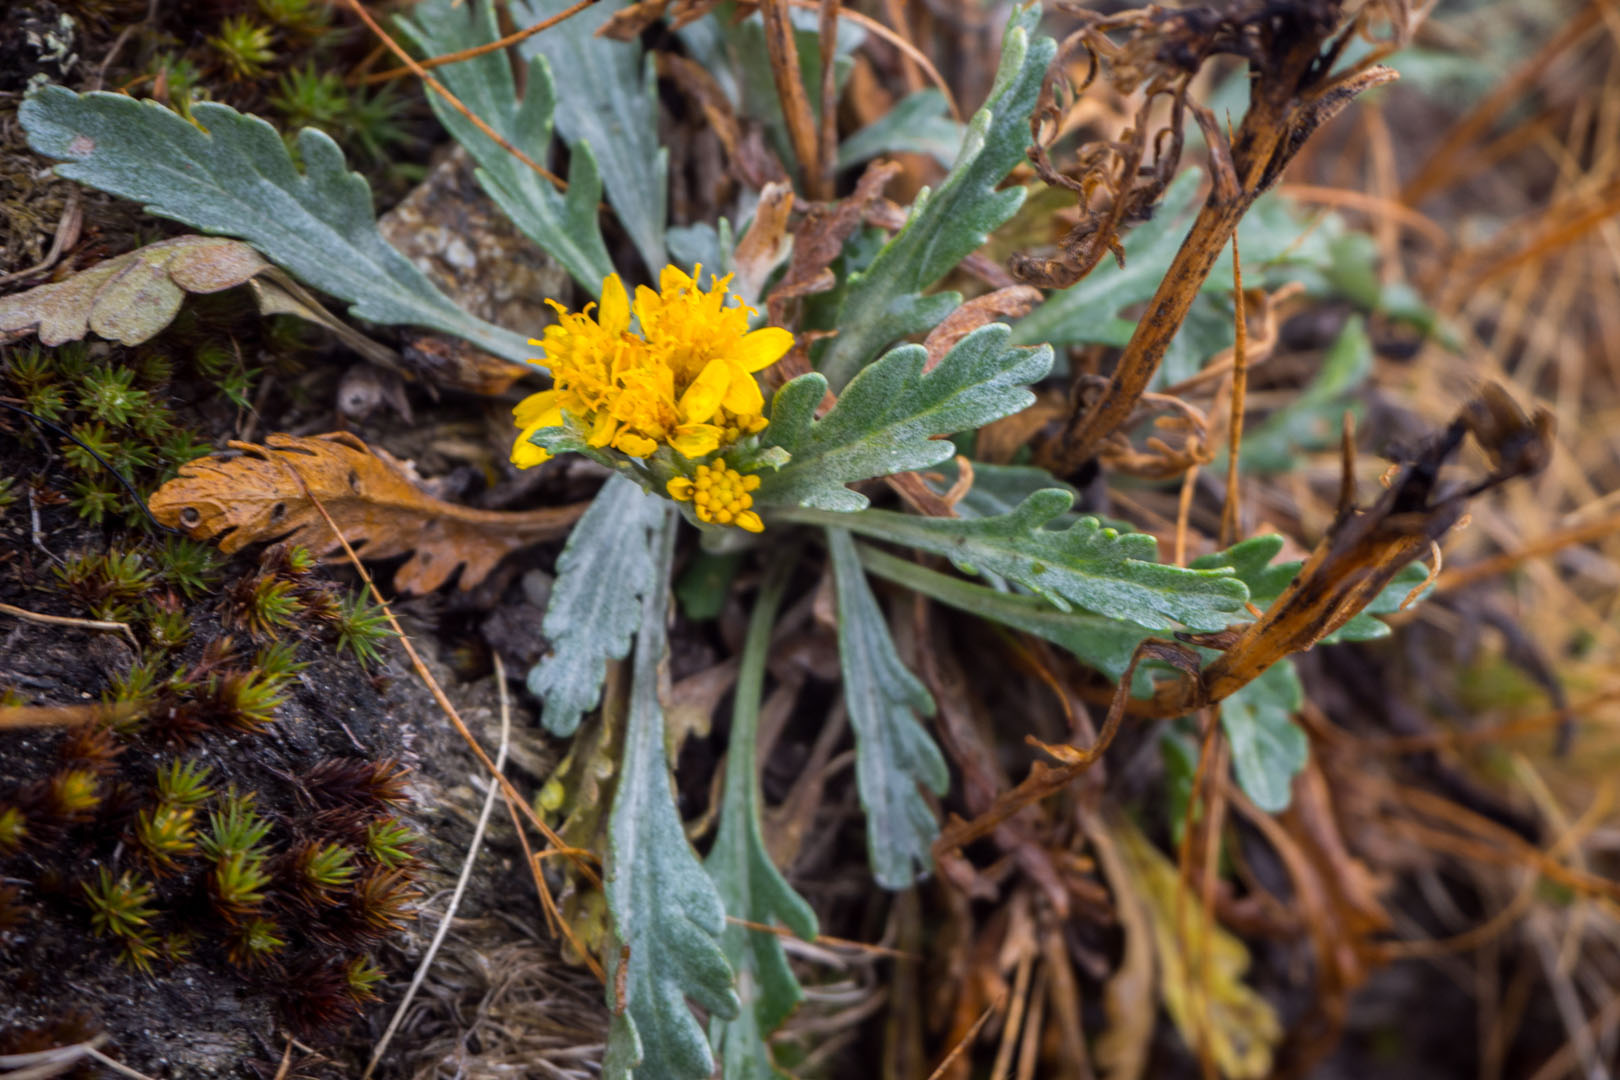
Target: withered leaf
1013,302
129,298
1201,966
767,241
257,496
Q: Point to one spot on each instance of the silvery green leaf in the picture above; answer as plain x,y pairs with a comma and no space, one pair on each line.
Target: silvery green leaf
886,418
893,752
1268,748
607,100
667,918
1084,565
564,224
1096,640
886,302
701,244
602,576
917,124
746,878
234,177
1311,419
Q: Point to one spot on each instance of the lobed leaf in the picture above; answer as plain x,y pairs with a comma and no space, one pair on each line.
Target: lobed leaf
667,917
1084,565
1096,640
233,176
886,419
564,224
917,124
608,106
595,608
885,302
1268,748
893,752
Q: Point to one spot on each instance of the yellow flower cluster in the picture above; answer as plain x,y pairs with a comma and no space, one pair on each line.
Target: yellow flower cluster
719,494
686,381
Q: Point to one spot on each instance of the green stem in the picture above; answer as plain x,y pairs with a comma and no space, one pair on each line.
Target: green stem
740,806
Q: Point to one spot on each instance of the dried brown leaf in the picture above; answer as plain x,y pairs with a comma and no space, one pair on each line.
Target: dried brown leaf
767,241
1010,303
261,496
129,298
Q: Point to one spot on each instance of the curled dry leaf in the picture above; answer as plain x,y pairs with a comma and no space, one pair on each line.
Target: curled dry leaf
261,495
130,298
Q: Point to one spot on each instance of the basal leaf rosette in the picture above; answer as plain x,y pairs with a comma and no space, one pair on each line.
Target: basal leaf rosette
661,400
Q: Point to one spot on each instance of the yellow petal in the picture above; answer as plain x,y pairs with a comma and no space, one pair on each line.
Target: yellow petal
636,446
761,348
526,455
702,399
750,521
680,489
603,430
614,315
535,406
672,278
742,395
695,440
750,482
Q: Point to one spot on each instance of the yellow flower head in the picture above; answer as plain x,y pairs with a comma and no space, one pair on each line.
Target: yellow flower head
686,381
720,494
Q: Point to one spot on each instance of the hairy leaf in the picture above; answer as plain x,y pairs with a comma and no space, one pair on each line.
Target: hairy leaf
1098,641
257,496
667,916
885,303
893,752
917,124
564,224
129,298
885,420
1084,565
1268,748
747,879
608,101
595,605
234,177
1311,420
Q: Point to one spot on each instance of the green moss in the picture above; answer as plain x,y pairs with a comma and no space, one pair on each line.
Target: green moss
244,47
